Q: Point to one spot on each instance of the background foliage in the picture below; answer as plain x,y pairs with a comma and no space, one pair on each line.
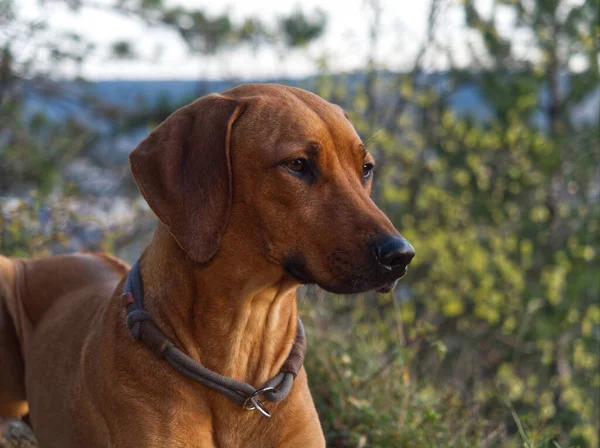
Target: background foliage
492,339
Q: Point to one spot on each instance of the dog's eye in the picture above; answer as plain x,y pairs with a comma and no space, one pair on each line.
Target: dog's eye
297,165
367,170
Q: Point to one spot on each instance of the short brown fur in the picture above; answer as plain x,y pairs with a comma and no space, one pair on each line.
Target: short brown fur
217,280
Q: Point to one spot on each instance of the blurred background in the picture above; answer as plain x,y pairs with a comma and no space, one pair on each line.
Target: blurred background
483,117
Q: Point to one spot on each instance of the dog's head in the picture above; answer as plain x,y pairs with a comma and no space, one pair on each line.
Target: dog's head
280,171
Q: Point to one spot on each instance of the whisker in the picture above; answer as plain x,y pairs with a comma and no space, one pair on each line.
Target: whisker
372,137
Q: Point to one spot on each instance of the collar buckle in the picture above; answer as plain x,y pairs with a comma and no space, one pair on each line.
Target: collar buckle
253,401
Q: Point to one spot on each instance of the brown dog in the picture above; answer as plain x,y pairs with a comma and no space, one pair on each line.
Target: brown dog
257,190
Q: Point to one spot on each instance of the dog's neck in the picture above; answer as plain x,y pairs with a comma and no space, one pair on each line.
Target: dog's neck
236,317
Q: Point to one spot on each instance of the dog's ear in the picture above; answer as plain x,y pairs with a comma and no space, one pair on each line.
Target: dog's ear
183,170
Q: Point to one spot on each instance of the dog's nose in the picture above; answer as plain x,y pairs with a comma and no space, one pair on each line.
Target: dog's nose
394,252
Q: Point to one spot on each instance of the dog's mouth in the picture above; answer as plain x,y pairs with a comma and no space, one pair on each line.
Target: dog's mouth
347,283
296,267
390,286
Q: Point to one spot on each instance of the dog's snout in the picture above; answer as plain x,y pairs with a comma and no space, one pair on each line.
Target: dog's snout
394,252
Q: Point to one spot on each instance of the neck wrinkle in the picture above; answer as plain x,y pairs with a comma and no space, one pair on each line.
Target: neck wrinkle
239,324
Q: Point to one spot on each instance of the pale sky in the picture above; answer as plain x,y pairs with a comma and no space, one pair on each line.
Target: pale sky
345,42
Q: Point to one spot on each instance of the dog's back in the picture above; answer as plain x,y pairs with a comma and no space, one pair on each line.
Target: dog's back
29,289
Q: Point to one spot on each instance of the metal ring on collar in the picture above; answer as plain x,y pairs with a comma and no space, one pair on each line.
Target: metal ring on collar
253,402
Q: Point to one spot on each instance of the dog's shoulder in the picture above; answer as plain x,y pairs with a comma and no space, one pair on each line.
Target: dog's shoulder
41,282
118,266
